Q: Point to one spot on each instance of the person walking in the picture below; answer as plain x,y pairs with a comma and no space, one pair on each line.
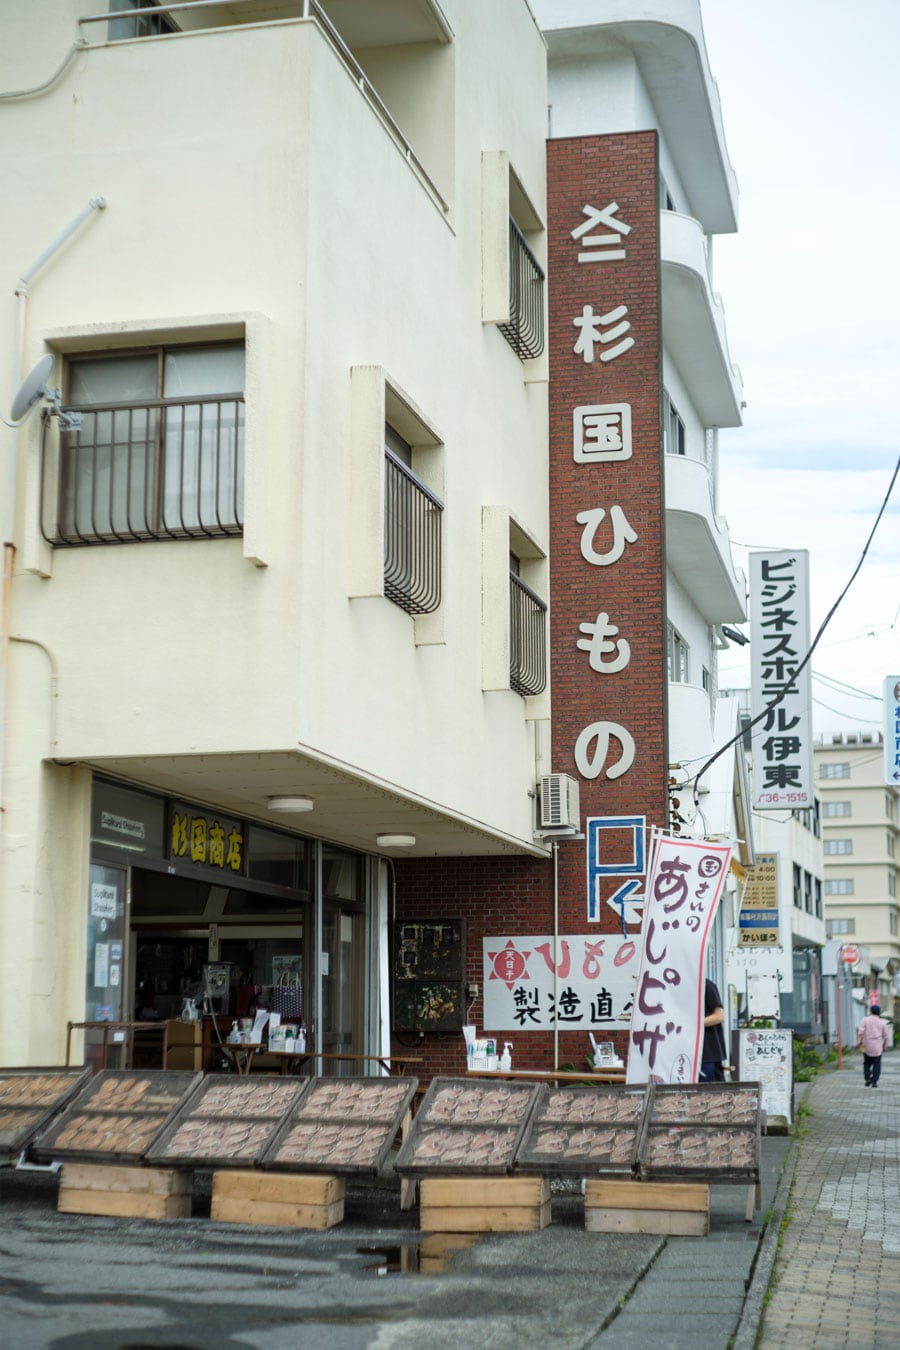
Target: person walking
872,1036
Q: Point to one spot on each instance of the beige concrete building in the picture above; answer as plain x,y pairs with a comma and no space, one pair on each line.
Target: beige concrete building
258,627
861,842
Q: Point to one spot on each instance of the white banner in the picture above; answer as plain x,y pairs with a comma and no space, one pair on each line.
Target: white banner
683,890
588,980
779,640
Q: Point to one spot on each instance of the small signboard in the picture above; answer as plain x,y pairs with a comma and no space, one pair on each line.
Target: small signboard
766,1056
758,919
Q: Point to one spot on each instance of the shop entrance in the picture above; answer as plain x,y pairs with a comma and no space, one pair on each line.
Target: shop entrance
190,903
222,947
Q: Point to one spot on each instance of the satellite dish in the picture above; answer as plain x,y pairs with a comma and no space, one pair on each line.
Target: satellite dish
33,387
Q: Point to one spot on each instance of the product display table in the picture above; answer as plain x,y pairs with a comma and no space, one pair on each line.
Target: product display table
240,1056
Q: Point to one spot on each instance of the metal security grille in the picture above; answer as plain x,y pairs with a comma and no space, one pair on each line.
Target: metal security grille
527,639
160,469
412,540
525,330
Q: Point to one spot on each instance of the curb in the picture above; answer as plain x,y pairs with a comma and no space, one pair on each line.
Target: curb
754,1300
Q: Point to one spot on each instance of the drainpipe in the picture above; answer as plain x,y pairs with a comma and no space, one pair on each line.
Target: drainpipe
9,514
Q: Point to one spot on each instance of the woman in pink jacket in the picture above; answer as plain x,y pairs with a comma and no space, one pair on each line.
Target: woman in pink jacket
872,1035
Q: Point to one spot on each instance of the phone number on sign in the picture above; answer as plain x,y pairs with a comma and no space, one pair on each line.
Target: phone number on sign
779,798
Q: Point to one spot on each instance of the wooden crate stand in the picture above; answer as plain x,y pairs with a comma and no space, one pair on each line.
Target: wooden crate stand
484,1204
124,1192
294,1200
677,1208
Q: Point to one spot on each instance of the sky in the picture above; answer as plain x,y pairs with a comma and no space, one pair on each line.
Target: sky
810,97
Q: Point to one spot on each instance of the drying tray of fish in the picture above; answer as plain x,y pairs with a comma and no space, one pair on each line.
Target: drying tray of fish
227,1121
465,1127
29,1099
341,1125
591,1131
702,1131
116,1116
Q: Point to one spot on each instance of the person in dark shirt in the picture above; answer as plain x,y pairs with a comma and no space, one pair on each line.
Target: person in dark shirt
714,1054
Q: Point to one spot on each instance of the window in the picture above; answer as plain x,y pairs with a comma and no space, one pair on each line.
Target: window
527,635
160,451
706,679
892,884
892,922
525,330
890,844
890,806
838,846
840,927
808,893
841,770
798,887
673,428
676,656
842,886
512,279
412,531
817,895
138,25
837,809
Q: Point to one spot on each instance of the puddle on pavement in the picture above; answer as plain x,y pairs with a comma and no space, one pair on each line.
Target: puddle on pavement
431,1256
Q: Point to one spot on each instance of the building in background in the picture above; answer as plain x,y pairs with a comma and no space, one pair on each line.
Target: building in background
861,841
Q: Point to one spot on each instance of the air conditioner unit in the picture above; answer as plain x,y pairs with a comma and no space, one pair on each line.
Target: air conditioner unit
560,808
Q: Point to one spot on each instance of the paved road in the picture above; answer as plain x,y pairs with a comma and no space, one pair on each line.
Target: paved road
837,1274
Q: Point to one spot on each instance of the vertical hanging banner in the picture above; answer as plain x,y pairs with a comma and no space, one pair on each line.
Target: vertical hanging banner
779,640
892,730
607,566
683,890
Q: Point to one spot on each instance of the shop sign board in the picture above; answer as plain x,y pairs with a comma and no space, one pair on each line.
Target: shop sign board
758,920
606,484
206,838
781,698
766,1056
582,982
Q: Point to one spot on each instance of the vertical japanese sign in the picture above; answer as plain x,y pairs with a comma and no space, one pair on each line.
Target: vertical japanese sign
779,640
683,891
892,730
607,578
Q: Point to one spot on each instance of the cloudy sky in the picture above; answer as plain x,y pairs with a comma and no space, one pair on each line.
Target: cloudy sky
811,283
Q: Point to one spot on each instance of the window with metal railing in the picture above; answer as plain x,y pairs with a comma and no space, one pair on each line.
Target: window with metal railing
160,450
525,330
412,536
527,639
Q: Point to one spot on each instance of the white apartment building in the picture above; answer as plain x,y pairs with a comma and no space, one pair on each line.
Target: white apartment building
861,840
259,636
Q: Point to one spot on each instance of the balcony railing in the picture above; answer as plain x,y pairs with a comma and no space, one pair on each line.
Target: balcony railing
527,639
412,540
158,469
525,330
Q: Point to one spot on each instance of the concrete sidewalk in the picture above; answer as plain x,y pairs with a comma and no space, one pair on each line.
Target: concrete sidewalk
837,1273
